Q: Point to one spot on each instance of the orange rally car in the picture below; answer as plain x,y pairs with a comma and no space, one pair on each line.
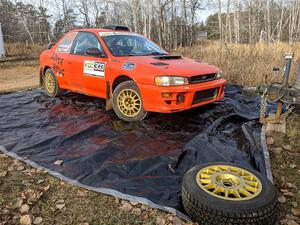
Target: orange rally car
133,74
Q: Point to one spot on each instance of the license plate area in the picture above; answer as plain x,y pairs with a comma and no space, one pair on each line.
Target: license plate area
201,96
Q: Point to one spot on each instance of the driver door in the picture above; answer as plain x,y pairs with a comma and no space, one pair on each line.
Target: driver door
91,69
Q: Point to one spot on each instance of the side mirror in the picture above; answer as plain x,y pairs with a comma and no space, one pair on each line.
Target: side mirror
94,52
49,46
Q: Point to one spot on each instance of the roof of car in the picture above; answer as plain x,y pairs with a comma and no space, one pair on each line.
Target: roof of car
97,30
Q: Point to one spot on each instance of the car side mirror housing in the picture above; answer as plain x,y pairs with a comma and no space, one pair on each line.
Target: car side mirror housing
49,46
94,52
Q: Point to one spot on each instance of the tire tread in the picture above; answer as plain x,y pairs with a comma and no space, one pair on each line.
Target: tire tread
204,214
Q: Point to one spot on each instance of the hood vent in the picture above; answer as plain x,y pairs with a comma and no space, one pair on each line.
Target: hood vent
159,64
168,57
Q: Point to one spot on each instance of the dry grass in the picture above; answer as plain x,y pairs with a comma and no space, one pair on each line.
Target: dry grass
248,65
21,49
293,125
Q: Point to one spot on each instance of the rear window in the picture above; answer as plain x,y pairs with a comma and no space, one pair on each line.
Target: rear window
66,44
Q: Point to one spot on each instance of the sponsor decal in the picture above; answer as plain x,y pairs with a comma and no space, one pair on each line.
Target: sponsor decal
58,71
64,48
94,68
128,66
57,65
57,59
66,44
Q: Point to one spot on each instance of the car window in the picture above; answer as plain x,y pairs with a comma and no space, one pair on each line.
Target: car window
66,44
84,41
130,45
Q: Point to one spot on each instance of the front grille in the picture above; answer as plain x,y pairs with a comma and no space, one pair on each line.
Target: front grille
202,78
201,96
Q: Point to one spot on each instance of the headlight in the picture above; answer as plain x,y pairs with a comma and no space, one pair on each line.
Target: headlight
219,74
170,81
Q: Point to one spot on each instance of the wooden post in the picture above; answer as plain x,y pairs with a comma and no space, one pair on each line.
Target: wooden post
278,112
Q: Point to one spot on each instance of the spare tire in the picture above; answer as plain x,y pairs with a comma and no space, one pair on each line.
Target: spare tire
227,194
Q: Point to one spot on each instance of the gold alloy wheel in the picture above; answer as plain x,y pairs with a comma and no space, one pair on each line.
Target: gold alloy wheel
49,83
229,182
129,103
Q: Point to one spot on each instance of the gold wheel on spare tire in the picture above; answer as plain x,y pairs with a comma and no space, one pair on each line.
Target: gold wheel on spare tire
51,84
229,182
127,102
224,193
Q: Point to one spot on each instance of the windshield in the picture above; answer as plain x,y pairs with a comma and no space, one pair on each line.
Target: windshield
131,45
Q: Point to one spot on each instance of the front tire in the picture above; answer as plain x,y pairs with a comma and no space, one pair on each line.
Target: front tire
227,194
51,85
127,102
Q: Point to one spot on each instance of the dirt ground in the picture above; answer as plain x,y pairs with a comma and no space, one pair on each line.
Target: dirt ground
31,195
35,195
18,75
285,160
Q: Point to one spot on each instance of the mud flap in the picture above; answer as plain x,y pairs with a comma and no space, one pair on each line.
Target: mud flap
41,78
108,97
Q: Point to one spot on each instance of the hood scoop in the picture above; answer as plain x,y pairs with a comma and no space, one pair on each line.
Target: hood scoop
159,64
168,57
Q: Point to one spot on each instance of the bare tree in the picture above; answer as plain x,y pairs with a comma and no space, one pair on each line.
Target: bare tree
220,20
83,7
23,20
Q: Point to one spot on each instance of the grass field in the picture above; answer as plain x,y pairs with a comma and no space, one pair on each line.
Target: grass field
22,49
22,185
249,65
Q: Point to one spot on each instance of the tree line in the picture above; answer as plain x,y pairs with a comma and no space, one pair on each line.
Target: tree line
252,21
171,23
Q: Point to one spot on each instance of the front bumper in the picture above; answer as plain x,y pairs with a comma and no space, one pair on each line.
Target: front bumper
179,98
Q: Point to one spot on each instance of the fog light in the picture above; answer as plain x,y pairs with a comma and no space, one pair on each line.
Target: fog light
166,95
180,98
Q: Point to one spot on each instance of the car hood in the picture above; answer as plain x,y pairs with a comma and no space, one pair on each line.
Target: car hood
173,65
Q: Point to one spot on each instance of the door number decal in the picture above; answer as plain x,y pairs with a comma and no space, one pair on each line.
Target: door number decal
94,68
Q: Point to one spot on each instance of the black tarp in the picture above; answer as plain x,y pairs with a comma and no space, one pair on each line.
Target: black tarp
146,159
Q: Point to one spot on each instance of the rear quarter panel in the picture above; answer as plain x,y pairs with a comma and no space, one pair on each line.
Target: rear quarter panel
45,60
